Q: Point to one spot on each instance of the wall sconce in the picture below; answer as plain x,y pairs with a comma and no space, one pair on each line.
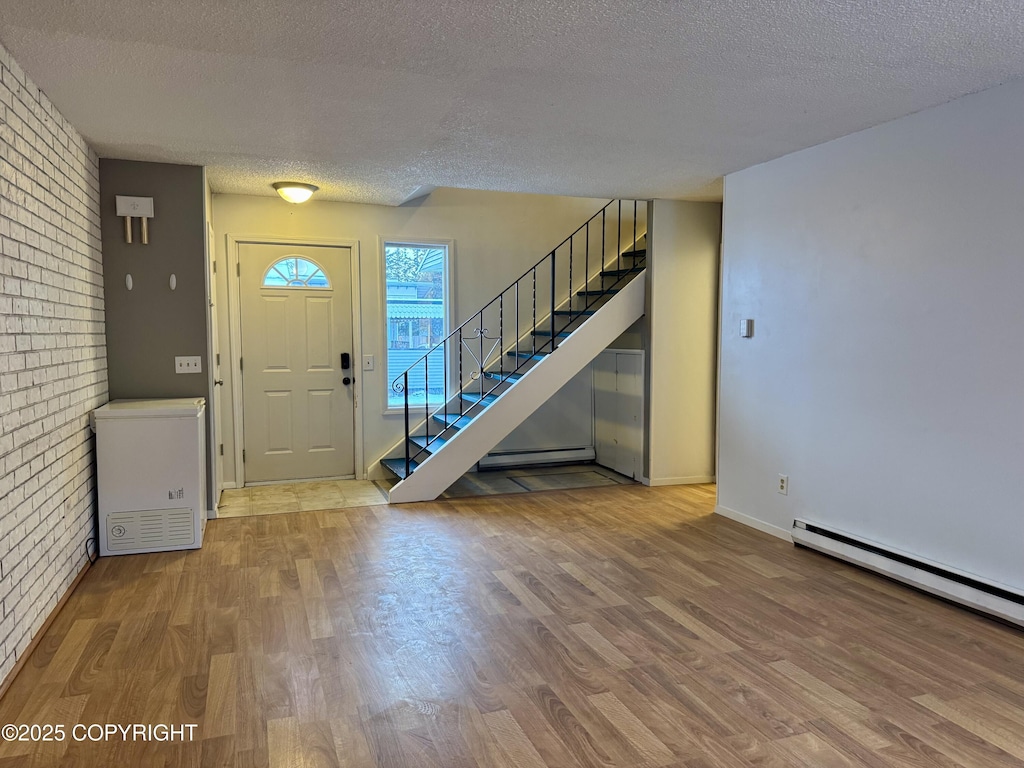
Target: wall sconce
294,191
135,207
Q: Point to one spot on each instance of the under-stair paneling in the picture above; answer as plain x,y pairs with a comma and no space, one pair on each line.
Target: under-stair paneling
563,422
682,323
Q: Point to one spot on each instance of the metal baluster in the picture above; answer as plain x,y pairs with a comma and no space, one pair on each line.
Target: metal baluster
426,395
517,324
586,266
501,336
444,367
600,264
482,361
618,240
553,297
408,458
634,226
534,337
570,289
461,379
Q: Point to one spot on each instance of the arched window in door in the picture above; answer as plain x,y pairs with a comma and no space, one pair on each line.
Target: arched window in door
295,272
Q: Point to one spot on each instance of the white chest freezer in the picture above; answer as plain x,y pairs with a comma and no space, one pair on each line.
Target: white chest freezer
151,475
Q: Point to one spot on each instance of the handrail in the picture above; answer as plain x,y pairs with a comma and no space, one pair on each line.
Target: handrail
400,384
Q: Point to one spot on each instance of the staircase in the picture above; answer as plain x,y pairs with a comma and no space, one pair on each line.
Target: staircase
506,360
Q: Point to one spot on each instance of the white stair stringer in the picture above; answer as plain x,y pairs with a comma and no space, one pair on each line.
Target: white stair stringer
467,446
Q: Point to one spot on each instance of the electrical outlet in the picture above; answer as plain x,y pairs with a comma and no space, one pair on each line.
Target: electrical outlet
784,485
188,364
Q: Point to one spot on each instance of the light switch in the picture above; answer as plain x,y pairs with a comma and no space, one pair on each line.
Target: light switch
367,362
188,364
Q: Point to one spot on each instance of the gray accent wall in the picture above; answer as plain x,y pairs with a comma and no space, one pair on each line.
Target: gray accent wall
151,324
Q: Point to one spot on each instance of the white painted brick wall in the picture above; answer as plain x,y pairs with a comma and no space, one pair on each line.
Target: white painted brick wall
53,367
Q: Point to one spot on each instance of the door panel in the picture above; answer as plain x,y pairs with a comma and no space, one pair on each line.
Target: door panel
321,420
319,329
275,323
618,411
279,422
297,414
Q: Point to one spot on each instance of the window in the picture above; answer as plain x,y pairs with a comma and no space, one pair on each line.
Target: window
295,272
416,280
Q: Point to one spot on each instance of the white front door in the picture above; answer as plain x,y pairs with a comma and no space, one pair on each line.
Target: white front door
297,401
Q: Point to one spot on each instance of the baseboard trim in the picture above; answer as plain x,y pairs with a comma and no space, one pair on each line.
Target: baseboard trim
694,480
753,522
5,684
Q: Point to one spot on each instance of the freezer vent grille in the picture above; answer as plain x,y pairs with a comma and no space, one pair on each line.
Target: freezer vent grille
152,528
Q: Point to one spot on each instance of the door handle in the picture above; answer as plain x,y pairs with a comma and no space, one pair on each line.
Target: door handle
346,381
219,383
346,361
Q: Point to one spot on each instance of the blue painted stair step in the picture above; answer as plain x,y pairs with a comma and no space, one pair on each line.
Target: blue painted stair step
452,420
475,397
397,467
620,272
509,377
435,444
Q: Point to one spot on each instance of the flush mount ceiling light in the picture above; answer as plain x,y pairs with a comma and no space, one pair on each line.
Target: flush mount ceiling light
294,191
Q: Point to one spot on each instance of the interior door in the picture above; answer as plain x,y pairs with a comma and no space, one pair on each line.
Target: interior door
618,411
297,396
215,367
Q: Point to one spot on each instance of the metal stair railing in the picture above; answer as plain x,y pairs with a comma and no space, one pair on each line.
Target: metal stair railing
543,280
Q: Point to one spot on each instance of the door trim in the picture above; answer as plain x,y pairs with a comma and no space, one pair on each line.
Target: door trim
235,337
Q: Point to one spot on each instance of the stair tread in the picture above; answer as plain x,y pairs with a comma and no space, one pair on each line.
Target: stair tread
509,377
397,467
436,443
576,312
621,272
528,355
560,334
452,420
475,397
639,253
599,292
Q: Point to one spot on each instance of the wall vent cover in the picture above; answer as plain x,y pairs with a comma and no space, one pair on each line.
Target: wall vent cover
150,528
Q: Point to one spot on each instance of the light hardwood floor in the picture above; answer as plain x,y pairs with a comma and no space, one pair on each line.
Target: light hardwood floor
621,626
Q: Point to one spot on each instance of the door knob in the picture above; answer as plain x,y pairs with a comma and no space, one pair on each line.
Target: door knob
346,381
219,383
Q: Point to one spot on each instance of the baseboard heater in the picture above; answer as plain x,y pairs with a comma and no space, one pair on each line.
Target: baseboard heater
966,589
530,458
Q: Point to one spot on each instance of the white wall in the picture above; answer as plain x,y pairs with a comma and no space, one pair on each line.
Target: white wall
53,368
885,275
497,237
682,317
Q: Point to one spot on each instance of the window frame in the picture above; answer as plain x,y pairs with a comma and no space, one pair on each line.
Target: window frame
448,316
288,286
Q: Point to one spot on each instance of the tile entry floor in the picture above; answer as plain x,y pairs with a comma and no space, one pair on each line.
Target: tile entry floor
299,497
339,494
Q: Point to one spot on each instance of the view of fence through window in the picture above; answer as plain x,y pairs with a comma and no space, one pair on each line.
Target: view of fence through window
416,319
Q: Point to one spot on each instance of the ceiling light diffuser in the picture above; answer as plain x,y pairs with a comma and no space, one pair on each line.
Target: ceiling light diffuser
294,191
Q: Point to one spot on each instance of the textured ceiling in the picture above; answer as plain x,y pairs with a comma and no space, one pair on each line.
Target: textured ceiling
374,99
